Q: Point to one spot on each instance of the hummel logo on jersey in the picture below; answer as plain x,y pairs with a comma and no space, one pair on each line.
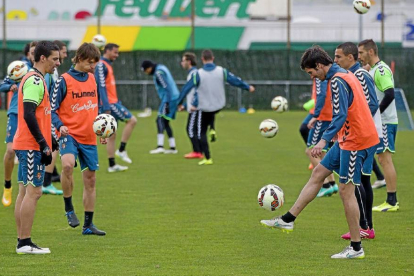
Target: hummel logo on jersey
36,80
78,95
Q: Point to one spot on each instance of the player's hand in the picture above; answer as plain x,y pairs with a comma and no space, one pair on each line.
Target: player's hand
13,88
46,152
180,107
251,89
64,131
317,149
312,122
108,112
103,141
55,144
193,108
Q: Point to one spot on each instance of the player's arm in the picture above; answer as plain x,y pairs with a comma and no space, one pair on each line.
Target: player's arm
57,96
101,72
234,80
194,101
193,82
383,81
340,102
373,100
33,93
7,85
320,98
160,77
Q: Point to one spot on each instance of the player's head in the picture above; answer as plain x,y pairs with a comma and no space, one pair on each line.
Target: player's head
111,51
316,62
26,50
147,66
346,55
367,51
188,60
32,46
207,56
63,51
86,57
46,56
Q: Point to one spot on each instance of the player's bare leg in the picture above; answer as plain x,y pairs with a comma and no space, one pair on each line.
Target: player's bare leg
8,161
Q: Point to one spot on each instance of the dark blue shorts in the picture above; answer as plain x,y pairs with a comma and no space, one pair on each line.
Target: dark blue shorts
348,164
87,154
172,110
11,127
120,112
31,170
387,142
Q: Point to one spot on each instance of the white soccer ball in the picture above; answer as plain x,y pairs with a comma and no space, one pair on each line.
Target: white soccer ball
16,70
279,104
268,128
104,125
99,41
271,197
361,6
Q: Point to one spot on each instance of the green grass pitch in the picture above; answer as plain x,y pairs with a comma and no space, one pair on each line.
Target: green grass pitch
169,216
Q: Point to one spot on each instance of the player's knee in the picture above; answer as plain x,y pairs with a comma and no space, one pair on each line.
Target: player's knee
9,155
346,191
384,158
132,120
67,168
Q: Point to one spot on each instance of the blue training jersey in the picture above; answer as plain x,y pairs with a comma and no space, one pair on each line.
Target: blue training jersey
164,83
5,87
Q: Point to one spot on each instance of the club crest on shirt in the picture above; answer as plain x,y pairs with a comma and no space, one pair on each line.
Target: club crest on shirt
39,175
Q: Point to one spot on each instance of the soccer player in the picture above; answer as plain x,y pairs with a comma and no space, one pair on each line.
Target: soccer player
346,56
303,129
189,62
74,108
105,77
384,87
168,93
33,142
321,118
8,160
51,174
209,82
357,141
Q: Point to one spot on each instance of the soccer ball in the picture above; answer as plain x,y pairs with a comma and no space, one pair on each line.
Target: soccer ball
268,128
99,41
271,197
279,104
361,6
16,70
104,125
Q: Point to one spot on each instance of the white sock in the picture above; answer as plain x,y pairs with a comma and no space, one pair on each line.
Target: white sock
160,140
172,142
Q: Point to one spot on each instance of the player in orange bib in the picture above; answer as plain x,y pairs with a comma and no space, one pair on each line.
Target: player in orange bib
74,108
357,137
110,104
33,142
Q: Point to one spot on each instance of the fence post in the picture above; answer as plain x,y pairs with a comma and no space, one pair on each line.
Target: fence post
287,91
239,98
144,96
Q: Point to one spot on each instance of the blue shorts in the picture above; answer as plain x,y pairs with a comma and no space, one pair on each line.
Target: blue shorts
307,119
87,154
315,134
120,112
11,127
31,170
387,142
348,164
162,112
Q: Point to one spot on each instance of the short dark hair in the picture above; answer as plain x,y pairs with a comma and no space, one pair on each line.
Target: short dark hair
44,48
191,57
314,55
349,48
33,44
26,49
368,45
87,51
207,55
110,46
60,44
